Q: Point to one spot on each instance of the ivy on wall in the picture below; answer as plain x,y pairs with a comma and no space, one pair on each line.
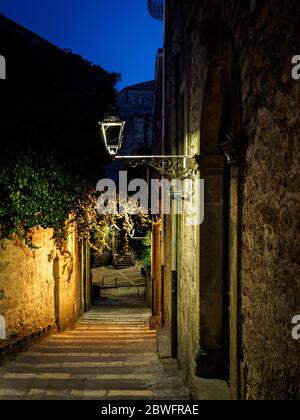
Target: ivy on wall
35,191
92,226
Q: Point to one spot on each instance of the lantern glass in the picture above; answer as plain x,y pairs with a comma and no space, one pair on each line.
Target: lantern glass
112,132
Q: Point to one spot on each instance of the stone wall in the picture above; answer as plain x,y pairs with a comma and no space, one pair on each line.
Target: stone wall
271,203
40,288
188,304
265,36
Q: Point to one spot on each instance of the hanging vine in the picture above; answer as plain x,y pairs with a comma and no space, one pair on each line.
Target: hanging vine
40,193
92,226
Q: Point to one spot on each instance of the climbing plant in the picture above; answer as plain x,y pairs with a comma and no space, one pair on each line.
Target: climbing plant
37,191
143,251
92,224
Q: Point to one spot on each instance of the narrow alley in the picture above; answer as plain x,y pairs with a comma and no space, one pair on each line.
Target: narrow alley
110,354
149,202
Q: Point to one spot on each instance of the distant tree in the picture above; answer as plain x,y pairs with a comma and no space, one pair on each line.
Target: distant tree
50,145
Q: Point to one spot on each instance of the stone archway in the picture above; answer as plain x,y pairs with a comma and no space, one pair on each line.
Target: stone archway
218,162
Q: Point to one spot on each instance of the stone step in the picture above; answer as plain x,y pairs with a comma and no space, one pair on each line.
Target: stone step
103,351
112,336
71,383
91,376
83,357
107,343
13,394
77,365
33,368
111,354
117,333
108,348
100,351
104,328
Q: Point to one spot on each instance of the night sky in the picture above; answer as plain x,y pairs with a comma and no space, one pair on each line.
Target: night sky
119,35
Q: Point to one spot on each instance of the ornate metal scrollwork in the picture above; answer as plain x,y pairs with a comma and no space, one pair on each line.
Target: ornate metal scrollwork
176,168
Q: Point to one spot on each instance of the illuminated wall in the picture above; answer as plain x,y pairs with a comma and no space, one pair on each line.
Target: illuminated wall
40,288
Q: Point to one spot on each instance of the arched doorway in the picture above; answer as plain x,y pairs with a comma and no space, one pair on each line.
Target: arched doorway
219,234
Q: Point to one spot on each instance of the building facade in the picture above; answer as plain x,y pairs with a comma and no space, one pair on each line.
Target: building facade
156,9
135,105
230,287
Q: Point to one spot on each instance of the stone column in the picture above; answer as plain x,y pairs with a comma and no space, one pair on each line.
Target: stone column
231,150
2,328
56,276
211,358
155,320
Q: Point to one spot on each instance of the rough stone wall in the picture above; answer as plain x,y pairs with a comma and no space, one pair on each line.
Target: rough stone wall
191,80
266,37
180,81
271,201
188,303
39,287
167,303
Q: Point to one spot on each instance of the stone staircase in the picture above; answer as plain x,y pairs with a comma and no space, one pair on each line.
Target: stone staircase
110,355
123,261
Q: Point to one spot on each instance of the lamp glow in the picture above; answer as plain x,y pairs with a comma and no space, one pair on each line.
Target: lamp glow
112,129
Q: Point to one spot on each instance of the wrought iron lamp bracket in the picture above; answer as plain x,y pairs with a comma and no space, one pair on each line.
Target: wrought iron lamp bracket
175,167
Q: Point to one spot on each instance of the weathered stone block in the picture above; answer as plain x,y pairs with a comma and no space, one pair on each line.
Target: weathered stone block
2,328
28,284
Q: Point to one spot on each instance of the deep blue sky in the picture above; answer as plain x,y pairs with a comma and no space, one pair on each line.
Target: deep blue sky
119,35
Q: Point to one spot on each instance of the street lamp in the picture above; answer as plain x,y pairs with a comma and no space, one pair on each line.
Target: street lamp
174,166
112,129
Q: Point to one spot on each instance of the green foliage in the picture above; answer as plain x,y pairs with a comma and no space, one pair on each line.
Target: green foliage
38,191
35,191
92,228
144,253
